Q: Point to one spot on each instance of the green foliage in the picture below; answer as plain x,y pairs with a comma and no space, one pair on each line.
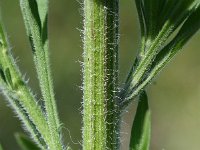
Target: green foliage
45,133
158,44
19,95
141,128
25,143
35,18
166,26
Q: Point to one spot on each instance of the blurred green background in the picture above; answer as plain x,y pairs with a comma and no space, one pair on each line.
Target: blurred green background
174,95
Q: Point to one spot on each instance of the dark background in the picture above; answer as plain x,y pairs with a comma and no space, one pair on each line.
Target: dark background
174,95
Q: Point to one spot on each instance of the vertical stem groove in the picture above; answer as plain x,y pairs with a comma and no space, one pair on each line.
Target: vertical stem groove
100,114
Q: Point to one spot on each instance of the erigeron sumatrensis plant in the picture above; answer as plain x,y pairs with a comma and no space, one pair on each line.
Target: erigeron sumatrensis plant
166,26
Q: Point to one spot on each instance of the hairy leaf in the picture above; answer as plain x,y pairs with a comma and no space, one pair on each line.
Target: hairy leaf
141,128
20,96
157,33
189,28
155,14
36,25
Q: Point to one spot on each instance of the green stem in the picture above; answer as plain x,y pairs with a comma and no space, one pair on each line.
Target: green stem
36,26
101,112
21,98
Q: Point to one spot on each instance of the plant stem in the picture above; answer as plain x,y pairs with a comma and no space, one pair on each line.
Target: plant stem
20,97
100,114
36,26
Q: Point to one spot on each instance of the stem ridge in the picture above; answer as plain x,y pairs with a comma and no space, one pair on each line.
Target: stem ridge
100,114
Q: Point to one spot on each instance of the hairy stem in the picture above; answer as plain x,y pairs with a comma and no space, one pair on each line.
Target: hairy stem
100,114
20,97
36,26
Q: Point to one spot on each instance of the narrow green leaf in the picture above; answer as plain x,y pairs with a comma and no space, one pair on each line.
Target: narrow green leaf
32,22
43,10
141,16
155,14
174,14
27,119
141,128
189,28
151,11
43,13
34,11
20,96
25,143
39,41
148,12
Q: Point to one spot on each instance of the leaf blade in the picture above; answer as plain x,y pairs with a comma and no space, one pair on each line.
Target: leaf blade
188,29
19,96
175,16
39,42
141,128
